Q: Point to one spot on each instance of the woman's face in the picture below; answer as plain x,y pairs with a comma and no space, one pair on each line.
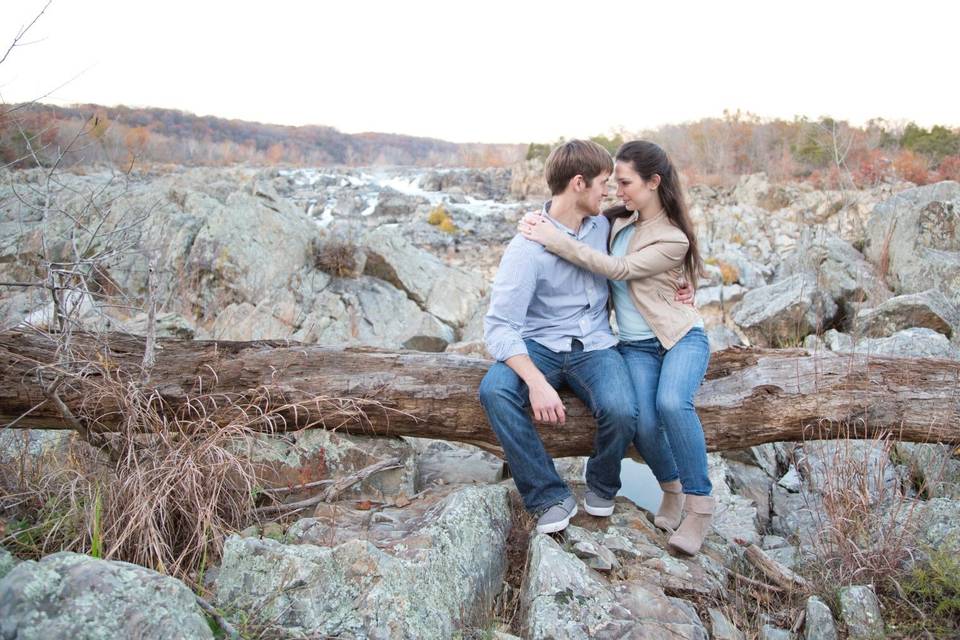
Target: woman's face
632,189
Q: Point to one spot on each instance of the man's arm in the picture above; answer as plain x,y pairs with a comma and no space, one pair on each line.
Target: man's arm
513,289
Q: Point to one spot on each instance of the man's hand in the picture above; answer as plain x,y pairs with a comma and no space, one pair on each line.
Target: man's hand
685,294
546,404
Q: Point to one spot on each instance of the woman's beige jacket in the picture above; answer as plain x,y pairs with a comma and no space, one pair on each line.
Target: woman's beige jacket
653,265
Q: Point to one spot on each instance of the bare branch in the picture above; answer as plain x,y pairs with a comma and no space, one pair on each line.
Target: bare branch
23,31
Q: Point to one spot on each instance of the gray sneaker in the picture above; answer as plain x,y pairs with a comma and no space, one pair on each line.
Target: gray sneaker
557,517
595,505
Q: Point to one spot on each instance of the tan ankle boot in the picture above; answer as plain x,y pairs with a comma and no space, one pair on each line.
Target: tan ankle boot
695,526
668,515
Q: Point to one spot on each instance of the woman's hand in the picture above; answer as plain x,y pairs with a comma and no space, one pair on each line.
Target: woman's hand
537,228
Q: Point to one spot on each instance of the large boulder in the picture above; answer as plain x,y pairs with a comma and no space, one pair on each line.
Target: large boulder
841,270
450,294
915,236
783,313
68,595
930,309
347,311
442,573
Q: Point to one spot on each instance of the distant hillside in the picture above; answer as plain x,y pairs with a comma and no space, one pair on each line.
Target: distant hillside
122,134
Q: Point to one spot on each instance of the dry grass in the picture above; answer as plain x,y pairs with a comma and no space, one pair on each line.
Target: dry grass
866,527
506,608
163,488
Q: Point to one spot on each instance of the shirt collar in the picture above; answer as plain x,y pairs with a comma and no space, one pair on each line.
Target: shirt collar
585,227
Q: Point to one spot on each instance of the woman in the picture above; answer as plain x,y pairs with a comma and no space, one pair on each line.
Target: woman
652,247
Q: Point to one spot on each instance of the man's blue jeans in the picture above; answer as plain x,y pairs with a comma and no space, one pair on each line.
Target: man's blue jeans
669,434
600,379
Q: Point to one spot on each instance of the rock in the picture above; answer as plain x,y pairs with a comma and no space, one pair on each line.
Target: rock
818,624
860,611
291,459
564,599
719,298
783,313
652,563
932,468
486,184
841,271
527,181
770,632
741,268
371,312
471,348
69,595
473,329
764,456
752,483
909,343
936,521
721,628
791,480
916,236
833,466
773,542
440,461
34,446
787,556
7,562
795,514
448,293
245,322
589,548
722,337
736,516
930,309
394,206
168,325
245,247
442,571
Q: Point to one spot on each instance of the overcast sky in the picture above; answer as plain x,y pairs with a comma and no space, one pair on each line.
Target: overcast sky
492,71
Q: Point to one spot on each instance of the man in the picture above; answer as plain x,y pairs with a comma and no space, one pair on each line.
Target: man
547,326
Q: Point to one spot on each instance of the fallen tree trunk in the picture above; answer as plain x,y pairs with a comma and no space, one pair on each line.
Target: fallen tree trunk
749,397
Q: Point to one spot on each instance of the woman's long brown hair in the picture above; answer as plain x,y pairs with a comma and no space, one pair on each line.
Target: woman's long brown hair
648,159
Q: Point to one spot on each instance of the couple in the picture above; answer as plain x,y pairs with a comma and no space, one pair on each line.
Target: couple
548,326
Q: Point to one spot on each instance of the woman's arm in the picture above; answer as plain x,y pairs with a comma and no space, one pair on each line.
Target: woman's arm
653,259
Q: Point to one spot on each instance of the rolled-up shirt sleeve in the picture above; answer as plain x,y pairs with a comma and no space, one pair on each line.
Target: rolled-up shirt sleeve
513,289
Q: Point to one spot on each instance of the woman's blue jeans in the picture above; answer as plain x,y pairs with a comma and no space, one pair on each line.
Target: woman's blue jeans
669,434
600,379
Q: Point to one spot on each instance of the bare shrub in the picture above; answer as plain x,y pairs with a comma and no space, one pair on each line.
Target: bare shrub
339,258
866,528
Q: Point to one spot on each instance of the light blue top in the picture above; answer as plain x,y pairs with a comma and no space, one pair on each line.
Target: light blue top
631,324
539,296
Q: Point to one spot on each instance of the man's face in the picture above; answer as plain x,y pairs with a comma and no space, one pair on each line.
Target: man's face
590,198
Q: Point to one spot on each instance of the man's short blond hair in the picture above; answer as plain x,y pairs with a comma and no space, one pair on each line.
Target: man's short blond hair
576,157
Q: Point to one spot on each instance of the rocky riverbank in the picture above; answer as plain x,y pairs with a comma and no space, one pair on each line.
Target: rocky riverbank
436,546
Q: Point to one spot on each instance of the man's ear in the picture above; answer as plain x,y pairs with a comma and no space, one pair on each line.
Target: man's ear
578,182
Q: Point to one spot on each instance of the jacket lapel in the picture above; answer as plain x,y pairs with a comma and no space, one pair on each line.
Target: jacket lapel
619,224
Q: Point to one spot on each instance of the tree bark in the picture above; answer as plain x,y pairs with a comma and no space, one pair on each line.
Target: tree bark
749,396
